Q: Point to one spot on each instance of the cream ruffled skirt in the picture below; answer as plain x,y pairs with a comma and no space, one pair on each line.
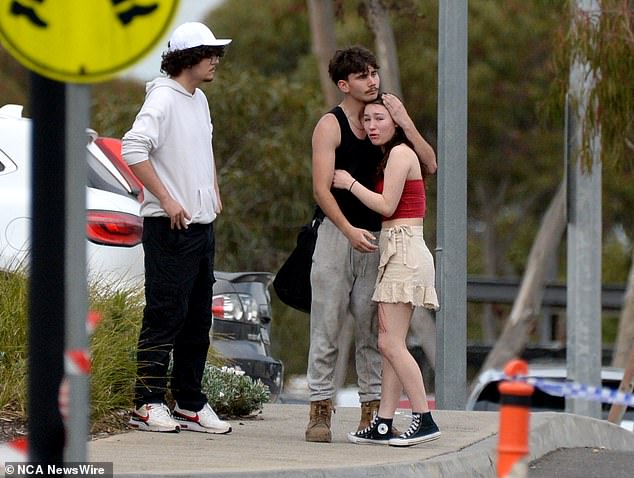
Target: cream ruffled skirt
406,268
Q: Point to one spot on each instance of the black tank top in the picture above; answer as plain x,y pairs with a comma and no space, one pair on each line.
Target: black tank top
360,158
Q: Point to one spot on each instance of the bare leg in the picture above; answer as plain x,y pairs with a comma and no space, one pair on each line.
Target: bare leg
390,391
403,371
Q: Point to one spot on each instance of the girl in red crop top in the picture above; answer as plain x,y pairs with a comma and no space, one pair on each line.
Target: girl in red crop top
405,279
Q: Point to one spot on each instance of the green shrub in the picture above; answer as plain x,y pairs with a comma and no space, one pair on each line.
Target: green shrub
232,393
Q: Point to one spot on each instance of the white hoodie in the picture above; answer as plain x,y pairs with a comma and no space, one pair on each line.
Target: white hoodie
173,131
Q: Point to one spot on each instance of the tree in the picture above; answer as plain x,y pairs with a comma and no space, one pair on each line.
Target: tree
322,28
607,43
527,305
625,336
606,40
262,146
377,16
271,37
15,81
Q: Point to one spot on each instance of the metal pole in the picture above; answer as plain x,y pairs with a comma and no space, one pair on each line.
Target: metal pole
451,251
584,240
77,119
46,286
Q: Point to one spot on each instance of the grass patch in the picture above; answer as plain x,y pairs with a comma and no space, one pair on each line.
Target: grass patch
113,349
113,353
13,342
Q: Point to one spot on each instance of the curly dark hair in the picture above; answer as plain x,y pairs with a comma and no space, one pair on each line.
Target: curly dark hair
354,59
174,62
398,138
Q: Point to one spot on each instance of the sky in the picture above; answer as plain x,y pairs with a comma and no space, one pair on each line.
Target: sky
188,11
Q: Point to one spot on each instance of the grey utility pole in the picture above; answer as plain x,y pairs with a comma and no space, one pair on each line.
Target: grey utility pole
75,287
583,313
451,251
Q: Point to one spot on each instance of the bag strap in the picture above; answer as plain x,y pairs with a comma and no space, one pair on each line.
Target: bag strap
318,217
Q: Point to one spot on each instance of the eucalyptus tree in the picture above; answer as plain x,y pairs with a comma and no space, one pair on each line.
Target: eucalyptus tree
606,40
322,28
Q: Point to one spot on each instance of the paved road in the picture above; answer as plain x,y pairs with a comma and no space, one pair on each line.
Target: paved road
583,463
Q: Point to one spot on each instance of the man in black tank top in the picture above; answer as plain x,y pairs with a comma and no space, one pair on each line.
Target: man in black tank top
346,259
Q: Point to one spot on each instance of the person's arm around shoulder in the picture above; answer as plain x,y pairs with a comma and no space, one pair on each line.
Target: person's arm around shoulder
326,138
401,161
424,151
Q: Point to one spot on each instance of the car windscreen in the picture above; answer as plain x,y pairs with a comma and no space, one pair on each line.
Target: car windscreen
100,178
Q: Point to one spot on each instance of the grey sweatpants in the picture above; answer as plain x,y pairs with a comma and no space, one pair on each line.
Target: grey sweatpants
342,280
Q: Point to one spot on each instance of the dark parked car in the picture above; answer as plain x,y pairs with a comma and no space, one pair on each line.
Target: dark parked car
240,332
486,397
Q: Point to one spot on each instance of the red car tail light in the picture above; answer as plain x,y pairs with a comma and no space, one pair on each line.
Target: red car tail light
111,147
237,307
226,307
114,228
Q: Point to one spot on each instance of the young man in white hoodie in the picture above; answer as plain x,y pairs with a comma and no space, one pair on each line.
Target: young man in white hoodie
169,148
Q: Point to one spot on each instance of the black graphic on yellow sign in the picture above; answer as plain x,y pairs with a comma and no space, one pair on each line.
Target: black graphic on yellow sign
82,41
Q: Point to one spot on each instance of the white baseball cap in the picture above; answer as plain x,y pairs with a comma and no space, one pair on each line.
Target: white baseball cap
193,34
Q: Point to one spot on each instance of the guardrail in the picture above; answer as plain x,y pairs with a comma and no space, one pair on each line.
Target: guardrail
504,290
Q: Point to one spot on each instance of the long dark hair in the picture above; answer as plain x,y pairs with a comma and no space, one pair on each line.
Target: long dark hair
398,138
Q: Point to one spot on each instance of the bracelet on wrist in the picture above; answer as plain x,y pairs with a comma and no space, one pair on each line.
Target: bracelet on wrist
350,188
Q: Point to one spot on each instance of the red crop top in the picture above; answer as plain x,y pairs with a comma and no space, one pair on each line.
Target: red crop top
412,203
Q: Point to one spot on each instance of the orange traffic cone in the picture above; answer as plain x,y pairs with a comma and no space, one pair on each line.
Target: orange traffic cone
515,402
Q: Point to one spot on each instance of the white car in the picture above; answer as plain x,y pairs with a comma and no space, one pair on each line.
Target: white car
113,226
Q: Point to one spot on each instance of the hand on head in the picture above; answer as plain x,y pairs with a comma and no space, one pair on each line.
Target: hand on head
396,108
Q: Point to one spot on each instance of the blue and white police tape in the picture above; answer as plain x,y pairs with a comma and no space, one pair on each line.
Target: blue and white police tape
573,390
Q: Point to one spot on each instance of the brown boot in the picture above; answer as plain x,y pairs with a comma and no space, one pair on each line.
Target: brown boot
318,429
368,410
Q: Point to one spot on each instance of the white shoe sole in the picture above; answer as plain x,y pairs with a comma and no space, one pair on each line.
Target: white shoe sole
188,426
414,441
364,441
144,427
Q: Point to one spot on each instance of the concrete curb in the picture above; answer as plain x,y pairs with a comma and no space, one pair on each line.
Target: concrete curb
550,431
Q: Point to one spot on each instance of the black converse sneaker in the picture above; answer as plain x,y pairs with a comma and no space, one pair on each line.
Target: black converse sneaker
378,432
422,429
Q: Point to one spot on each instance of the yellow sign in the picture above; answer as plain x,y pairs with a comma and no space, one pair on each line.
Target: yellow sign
82,41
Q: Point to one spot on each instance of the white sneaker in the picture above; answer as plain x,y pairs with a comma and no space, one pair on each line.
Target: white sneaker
153,417
205,420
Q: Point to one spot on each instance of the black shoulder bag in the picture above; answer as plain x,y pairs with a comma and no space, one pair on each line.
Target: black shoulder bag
292,281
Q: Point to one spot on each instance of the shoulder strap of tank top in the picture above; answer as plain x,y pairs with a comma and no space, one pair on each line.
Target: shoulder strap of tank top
341,117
